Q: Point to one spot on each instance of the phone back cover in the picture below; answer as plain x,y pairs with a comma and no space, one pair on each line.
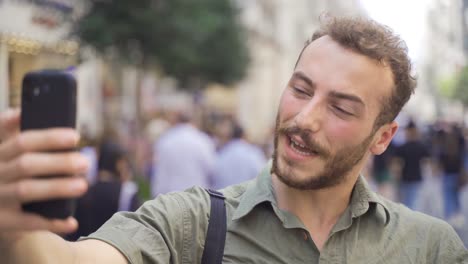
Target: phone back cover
54,106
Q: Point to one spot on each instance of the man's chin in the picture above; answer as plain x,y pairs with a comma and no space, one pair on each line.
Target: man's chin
303,170
307,179
295,178
295,182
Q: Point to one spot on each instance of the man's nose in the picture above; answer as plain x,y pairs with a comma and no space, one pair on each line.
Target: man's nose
311,116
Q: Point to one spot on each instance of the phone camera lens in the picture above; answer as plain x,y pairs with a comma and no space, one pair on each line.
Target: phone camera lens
46,88
36,91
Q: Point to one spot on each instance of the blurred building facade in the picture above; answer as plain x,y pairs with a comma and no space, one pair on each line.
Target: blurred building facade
33,35
37,35
441,59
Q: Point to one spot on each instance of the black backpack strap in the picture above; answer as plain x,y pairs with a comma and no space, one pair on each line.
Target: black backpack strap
216,233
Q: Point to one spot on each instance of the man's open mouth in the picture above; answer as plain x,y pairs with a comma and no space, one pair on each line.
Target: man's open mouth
300,148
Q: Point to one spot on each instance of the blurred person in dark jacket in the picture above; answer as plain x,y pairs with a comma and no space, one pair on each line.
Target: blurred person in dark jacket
113,191
451,162
381,171
411,154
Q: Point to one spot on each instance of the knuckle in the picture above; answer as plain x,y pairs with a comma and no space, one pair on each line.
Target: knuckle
22,163
20,143
21,189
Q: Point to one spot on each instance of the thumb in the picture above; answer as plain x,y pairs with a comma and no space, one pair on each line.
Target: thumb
9,123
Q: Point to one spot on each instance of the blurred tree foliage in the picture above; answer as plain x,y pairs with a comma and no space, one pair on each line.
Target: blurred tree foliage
447,86
461,87
195,41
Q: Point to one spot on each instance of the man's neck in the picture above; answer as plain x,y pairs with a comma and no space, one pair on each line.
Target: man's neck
319,210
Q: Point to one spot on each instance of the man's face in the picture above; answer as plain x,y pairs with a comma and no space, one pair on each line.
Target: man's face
325,121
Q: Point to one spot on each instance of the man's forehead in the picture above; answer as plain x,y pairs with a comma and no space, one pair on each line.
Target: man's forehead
326,46
346,68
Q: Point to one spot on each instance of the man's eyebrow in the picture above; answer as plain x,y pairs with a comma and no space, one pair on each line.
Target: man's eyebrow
335,94
346,96
300,75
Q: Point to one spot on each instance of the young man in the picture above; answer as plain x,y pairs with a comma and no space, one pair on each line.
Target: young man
309,205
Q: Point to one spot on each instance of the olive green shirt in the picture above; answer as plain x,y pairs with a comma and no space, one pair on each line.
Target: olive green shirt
172,229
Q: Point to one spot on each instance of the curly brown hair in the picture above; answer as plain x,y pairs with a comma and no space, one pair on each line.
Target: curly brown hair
379,42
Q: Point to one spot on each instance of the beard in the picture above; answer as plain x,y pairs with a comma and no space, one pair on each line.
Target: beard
336,166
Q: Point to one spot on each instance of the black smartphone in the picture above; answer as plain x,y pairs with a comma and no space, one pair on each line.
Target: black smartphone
49,100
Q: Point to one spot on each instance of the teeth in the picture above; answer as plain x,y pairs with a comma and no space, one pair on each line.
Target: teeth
293,146
300,145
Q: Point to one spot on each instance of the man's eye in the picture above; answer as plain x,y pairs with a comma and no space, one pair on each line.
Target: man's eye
341,110
300,91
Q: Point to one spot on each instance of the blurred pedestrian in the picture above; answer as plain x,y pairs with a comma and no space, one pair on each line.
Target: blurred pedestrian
381,172
155,128
185,156
91,153
89,148
412,154
223,130
237,160
451,161
113,191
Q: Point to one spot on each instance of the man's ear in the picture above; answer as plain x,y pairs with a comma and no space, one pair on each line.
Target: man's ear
383,137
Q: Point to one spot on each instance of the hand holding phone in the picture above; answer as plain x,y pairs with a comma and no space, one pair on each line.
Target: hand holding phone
23,160
49,100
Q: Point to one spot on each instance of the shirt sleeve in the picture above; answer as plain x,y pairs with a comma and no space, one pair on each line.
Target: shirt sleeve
168,229
447,246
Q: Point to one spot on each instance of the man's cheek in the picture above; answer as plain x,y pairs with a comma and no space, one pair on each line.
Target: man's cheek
339,130
288,109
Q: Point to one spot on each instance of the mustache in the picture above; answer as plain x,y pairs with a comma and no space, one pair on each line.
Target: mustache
306,138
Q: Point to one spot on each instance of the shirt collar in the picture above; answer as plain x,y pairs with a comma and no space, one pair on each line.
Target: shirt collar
363,196
258,191
261,190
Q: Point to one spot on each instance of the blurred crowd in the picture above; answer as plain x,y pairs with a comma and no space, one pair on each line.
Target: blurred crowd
173,152
425,169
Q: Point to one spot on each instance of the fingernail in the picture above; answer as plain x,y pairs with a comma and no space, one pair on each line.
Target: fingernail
72,221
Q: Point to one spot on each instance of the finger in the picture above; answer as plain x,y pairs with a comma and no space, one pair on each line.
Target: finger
9,123
63,226
39,140
43,164
20,221
40,190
